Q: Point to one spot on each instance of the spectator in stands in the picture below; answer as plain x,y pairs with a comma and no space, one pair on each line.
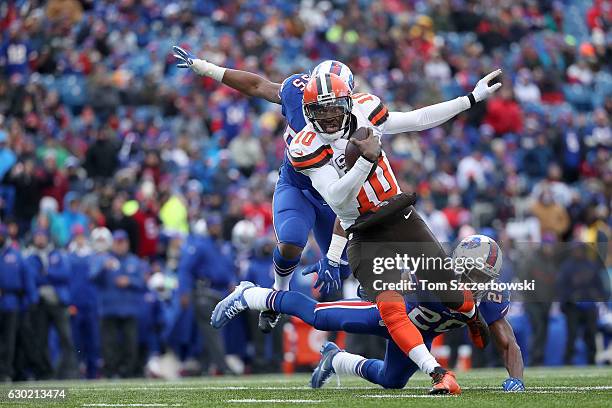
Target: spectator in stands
101,160
560,192
117,219
76,175
504,114
600,134
58,187
28,184
48,218
7,156
436,221
246,152
73,214
553,217
525,89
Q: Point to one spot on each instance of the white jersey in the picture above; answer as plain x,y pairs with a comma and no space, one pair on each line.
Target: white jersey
352,193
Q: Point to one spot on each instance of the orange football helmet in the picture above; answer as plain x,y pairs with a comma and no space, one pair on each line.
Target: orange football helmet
327,105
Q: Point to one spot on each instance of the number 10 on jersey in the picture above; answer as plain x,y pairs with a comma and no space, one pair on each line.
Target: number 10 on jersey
379,187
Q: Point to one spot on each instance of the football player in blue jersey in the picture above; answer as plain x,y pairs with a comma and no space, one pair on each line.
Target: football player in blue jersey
297,206
357,316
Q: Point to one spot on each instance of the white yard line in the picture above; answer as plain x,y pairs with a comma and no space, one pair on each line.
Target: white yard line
280,388
404,396
153,404
252,400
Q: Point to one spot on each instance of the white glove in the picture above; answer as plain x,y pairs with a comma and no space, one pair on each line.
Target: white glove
482,90
199,66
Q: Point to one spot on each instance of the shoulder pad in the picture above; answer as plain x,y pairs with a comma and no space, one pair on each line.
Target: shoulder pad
293,85
290,94
371,105
308,151
494,305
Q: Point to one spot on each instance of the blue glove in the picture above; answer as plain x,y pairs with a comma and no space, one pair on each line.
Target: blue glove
183,55
328,276
345,269
513,385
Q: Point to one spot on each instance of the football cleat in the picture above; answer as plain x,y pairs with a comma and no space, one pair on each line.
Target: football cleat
231,306
268,319
325,368
444,382
478,330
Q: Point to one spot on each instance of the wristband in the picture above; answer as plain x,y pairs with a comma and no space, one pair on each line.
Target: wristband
336,247
472,99
205,68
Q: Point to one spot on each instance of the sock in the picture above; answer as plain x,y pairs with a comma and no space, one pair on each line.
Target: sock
468,307
347,363
283,269
256,298
393,312
293,304
372,370
423,358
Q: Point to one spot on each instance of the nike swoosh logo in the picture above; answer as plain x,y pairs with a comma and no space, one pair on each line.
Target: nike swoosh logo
406,216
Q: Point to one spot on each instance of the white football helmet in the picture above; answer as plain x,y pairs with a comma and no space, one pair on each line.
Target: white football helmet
101,239
482,259
200,227
338,68
244,235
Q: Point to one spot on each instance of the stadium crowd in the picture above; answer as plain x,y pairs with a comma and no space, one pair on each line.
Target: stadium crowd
98,128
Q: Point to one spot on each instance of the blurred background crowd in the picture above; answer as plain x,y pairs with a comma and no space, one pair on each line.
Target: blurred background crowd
98,128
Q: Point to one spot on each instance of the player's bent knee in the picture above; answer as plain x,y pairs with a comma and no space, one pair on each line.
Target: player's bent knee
292,232
393,383
289,251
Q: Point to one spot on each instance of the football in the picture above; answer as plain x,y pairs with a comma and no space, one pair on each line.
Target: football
352,152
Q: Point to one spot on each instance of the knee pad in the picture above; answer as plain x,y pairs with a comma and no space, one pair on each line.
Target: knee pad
292,231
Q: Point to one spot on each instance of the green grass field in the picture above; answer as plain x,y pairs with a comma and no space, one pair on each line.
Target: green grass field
554,387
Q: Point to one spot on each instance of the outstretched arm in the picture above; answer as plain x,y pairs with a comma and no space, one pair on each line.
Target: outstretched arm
434,115
252,85
503,335
244,82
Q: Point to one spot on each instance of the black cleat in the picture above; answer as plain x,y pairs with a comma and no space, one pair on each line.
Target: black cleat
268,320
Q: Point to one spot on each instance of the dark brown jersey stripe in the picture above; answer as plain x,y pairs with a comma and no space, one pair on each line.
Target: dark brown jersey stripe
312,162
309,156
376,111
379,115
382,117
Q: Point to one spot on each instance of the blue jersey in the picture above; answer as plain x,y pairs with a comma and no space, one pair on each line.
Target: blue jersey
291,93
433,318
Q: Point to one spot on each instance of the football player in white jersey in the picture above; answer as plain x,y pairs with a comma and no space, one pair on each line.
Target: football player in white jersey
371,207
